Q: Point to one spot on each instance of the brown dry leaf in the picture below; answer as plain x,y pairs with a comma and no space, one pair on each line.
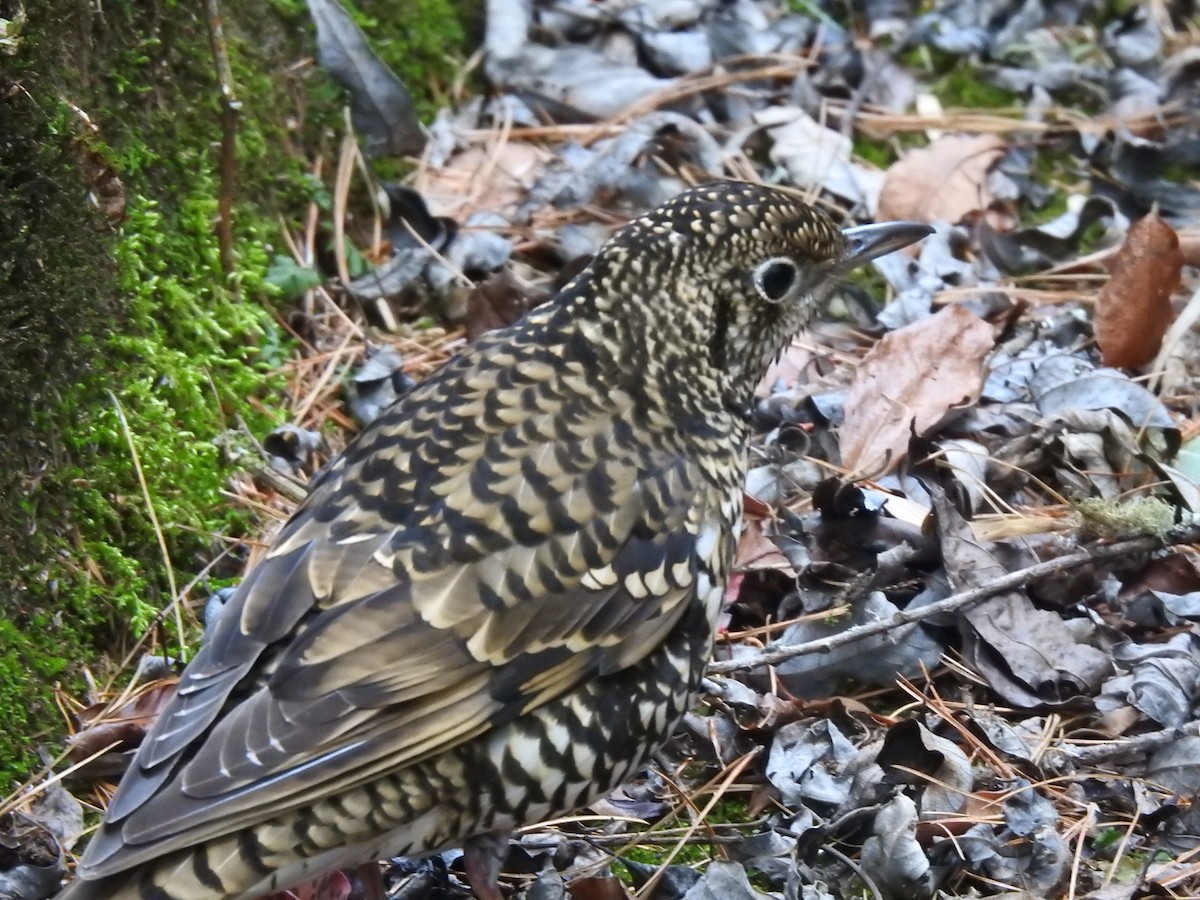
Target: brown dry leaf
908,382
499,300
1133,310
597,887
756,551
125,726
941,182
491,179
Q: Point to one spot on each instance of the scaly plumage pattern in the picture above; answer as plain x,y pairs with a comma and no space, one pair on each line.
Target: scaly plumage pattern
500,599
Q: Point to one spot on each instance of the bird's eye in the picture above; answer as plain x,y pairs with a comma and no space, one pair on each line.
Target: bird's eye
775,278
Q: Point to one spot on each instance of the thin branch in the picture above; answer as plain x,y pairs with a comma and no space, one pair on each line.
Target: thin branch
1120,750
1186,535
230,107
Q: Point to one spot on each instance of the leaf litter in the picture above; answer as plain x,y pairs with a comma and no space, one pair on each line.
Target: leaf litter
960,656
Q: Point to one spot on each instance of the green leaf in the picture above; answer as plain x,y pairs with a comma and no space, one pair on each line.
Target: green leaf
291,278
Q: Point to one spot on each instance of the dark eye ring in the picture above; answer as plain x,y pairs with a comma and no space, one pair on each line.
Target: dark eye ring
775,279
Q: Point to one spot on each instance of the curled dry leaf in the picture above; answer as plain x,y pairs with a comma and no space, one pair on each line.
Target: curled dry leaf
910,381
1134,307
103,725
942,182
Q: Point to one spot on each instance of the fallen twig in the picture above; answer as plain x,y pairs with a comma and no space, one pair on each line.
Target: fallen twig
1125,748
1186,535
230,106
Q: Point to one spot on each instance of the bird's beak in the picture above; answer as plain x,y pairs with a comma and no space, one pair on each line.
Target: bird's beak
865,242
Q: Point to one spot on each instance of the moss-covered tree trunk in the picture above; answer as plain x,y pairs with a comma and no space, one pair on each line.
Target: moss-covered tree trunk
118,322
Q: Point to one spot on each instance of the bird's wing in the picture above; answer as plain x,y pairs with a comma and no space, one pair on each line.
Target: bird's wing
419,599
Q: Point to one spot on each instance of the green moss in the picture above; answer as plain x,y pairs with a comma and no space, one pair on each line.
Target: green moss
1138,515
877,153
141,315
963,88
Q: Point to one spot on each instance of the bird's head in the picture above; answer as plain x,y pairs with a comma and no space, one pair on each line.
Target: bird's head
729,273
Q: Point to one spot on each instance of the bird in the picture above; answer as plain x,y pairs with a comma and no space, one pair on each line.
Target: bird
499,600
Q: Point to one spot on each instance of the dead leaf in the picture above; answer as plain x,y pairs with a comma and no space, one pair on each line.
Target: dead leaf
756,551
1134,307
124,726
482,179
499,300
942,182
380,105
1030,657
893,855
790,368
908,382
597,887
912,754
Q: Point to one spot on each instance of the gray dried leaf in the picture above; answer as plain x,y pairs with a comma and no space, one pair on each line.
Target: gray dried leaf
1026,810
32,841
677,52
1178,607
968,462
29,882
391,278
378,383
380,105
1176,767
904,651
1065,383
290,446
740,28
576,77
1038,863
477,251
1029,656
892,855
819,157
674,882
1167,690
939,767
1031,249
1015,742
1135,38
724,881
579,173
805,763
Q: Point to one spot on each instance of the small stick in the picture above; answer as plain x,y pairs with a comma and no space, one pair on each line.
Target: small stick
1020,578
230,107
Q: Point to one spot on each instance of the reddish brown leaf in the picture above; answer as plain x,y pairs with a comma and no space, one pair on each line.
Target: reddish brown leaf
1134,307
597,888
756,551
499,300
125,725
910,381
